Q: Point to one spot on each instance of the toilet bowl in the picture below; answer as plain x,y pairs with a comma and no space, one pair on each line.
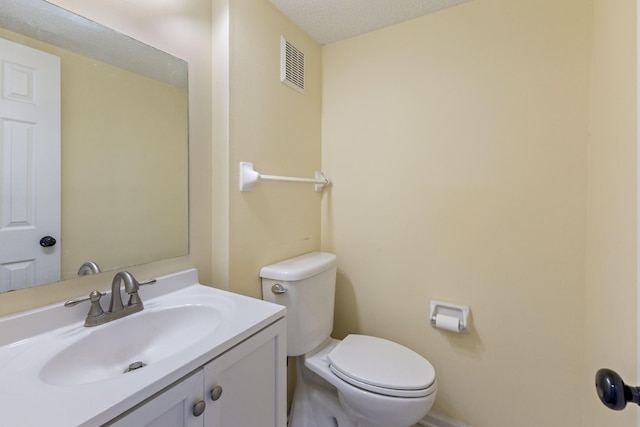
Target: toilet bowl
361,381
399,389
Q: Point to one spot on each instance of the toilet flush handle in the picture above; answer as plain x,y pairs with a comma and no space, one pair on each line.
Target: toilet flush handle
278,289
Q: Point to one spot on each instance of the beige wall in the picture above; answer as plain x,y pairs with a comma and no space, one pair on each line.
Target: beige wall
220,121
457,144
134,140
183,30
277,129
611,280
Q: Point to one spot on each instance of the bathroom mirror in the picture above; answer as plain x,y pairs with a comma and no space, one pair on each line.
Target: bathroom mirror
124,143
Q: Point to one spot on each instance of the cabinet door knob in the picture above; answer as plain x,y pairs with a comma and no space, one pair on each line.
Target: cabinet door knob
198,408
216,392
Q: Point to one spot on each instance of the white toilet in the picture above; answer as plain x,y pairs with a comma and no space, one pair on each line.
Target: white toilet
361,381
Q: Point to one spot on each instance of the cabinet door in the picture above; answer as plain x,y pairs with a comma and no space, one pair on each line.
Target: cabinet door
173,407
251,382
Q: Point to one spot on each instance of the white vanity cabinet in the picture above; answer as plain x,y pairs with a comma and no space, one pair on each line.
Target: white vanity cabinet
245,386
171,407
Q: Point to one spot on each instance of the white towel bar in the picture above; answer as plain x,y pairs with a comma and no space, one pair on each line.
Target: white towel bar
248,178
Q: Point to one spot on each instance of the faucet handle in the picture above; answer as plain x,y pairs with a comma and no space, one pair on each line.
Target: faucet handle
95,312
134,298
76,301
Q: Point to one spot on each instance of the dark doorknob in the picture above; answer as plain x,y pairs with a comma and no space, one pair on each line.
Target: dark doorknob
47,242
613,392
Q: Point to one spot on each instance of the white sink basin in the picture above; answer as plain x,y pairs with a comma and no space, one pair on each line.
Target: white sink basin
108,350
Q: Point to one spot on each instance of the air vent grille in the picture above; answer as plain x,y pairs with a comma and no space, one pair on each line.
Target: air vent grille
292,66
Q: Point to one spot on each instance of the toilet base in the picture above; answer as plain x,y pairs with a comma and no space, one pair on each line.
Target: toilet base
314,404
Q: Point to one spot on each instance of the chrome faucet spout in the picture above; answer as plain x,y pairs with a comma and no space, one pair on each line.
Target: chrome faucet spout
87,268
131,286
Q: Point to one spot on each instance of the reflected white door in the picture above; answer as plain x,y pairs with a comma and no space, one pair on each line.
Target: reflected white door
29,166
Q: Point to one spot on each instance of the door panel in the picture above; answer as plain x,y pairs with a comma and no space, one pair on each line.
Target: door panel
30,166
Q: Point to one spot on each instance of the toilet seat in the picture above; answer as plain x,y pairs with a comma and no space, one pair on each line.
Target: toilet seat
382,366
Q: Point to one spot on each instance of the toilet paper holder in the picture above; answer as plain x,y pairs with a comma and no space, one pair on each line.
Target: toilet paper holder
461,312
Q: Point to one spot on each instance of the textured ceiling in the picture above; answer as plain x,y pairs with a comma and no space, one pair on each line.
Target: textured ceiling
329,21
51,24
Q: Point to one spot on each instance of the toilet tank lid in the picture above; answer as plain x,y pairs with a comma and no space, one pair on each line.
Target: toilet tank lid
300,267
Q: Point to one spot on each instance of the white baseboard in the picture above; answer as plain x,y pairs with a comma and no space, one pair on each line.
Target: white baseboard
436,420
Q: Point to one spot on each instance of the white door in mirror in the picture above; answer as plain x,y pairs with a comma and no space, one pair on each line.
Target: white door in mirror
29,167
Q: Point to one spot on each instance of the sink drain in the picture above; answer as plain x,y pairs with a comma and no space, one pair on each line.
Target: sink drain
134,366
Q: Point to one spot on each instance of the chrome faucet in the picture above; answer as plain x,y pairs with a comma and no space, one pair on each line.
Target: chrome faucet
97,316
131,286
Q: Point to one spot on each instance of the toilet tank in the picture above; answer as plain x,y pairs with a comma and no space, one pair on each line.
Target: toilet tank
309,282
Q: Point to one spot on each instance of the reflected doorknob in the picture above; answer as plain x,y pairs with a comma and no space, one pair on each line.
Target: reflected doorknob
613,392
47,242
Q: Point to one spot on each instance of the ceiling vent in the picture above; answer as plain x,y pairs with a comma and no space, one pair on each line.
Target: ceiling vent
291,65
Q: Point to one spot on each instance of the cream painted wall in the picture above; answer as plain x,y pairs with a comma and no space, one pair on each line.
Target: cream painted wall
457,144
277,129
220,121
144,155
611,280
184,30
